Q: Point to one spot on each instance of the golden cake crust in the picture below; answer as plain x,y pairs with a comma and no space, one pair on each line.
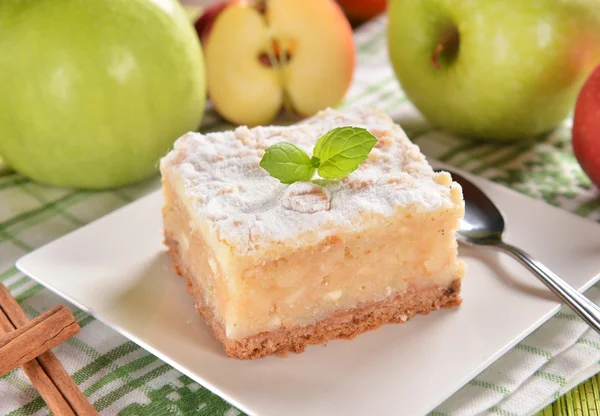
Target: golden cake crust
343,325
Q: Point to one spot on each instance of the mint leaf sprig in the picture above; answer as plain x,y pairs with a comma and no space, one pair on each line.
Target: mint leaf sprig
337,153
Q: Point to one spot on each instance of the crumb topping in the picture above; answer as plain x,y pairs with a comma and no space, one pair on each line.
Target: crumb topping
222,183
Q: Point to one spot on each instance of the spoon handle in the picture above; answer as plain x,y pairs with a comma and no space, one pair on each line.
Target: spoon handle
585,308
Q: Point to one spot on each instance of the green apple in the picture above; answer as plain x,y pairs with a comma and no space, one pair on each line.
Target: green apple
94,92
4,168
494,69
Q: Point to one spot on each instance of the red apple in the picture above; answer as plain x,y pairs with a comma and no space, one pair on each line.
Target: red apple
586,127
362,10
206,20
263,56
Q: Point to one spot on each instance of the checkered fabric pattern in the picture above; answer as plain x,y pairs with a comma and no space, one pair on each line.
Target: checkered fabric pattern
119,377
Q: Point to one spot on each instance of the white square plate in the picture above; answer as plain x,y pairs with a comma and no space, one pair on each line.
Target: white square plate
117,270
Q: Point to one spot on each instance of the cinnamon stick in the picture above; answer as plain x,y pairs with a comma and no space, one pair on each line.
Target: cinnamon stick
38,336
48,362
44,385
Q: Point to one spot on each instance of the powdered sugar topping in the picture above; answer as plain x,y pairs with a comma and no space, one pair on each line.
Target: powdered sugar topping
223,184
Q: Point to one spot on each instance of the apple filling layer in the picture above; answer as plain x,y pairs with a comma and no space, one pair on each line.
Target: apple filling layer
247,296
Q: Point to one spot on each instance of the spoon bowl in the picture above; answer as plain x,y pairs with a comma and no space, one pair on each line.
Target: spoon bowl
483,225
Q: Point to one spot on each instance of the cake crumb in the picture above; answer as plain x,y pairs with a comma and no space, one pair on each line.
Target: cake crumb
306,197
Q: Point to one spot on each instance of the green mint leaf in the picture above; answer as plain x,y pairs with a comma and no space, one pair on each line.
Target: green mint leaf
315,162
342,150
288,163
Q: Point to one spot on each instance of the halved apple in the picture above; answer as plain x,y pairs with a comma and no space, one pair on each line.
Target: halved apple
263,56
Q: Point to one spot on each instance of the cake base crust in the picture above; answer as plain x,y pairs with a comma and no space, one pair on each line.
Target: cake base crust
343,325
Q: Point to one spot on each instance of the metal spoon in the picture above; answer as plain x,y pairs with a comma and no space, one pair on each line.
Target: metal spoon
483,225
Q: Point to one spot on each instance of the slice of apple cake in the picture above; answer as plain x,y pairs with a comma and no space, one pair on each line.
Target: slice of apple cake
274,267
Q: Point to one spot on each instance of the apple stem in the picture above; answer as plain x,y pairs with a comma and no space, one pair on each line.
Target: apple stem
261,6
446,50
435,57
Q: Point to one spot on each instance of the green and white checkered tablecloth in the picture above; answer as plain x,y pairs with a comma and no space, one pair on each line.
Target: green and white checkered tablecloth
119,377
